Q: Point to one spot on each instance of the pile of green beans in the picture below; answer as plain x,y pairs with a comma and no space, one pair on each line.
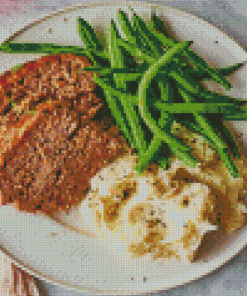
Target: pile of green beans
159,63
156,58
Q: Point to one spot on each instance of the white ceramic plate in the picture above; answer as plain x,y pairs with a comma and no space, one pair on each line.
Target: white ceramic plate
56,253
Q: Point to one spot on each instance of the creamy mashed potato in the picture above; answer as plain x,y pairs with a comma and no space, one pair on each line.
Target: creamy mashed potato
145,212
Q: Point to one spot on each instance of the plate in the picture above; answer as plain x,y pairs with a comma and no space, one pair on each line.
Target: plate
56,252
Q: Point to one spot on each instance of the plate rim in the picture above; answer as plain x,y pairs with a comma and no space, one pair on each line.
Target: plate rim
60,283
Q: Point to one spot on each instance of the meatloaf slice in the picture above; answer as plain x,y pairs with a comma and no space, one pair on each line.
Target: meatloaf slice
51,170
33,164
39,86
15,125
50,75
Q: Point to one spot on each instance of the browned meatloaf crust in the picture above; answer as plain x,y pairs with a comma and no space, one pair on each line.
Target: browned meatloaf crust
50,75
50,166
38,87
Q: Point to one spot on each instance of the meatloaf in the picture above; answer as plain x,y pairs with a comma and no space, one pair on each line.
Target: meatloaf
50,75
38,86
49,163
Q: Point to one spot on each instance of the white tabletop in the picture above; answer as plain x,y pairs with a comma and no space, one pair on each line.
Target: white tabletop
228,15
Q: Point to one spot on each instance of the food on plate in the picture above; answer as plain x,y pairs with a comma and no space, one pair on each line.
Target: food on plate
37,171
38,87
146,213
166,213
125,131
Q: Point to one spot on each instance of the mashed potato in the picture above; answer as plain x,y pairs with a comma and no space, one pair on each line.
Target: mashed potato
167,213
146,214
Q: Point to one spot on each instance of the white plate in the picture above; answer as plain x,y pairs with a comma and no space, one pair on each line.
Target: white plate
58,254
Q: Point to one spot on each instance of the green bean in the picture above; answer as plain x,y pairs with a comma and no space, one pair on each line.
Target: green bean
142,28
166,92
167,97
95,60
195,108
101,70
127,75
26,47
107,70
147,77
165,163
187,82
118,93
163,91
131,115
228,70
117,59
220,145
204,75
130,34
197,88
112,103
216,75
156,143
126,27
194,127
156,23
175,146
210,133
132,99
50,48
135,124
232,68
46,48
166,119
190,86
135,51
88,35
241,115
164,41
130,49
122,61
146,45
148,155
196,61
196,74
124,78
211,95
92,58
94,48
136,47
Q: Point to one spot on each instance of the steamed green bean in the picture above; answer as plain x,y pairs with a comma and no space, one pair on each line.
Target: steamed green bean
131,115
211,134
142,28
88,35
176,147
195,108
